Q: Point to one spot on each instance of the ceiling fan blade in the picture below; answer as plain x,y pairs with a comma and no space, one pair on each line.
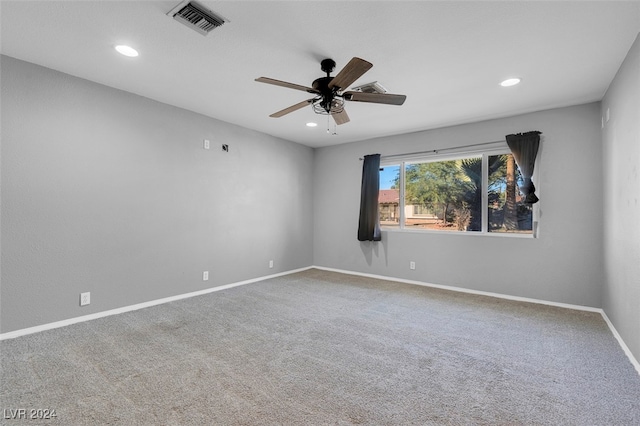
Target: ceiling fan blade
292,108
377,98
285,84
350,73
340,117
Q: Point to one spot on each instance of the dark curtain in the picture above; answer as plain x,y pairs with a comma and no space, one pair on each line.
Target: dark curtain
369,226
524,147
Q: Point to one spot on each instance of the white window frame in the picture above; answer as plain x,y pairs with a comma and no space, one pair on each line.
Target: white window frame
403,161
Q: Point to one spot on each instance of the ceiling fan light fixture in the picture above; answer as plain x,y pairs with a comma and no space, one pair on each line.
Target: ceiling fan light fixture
510,82
336,107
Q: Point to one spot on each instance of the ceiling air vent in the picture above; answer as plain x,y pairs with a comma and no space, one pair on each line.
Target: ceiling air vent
197,17
374,87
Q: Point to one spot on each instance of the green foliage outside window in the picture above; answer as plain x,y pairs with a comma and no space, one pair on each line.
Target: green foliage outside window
451,191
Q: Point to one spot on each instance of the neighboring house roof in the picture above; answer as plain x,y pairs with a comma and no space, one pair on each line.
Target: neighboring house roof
388,196
392,196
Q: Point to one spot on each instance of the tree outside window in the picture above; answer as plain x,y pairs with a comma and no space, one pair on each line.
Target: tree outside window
449,195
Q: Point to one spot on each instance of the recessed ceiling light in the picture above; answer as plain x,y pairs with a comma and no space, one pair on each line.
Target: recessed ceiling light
312,124
127,50
510,82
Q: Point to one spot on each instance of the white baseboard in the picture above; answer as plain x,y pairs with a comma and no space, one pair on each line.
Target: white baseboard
464,290
63,323
623,345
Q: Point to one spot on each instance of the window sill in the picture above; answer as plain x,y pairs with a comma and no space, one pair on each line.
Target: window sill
466,233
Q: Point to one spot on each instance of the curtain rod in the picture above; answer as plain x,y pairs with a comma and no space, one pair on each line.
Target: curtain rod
435,151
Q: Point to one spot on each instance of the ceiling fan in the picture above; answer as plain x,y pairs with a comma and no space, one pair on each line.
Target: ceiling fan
329,91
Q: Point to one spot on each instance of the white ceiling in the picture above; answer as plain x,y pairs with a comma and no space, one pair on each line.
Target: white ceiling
447,57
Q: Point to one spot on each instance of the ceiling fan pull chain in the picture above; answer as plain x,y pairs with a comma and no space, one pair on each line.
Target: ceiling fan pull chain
335,128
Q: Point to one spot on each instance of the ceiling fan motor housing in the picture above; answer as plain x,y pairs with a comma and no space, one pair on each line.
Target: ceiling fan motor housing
322,85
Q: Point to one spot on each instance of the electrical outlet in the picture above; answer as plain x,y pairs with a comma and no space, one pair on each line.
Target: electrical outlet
412,265
205,276
206,144
271,264
85,298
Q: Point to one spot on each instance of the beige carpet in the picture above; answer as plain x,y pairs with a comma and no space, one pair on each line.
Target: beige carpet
320,348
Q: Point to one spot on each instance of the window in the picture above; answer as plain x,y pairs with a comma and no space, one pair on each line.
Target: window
389,197
463,193
506,210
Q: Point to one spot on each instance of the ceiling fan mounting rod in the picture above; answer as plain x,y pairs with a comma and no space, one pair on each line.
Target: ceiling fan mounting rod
328,65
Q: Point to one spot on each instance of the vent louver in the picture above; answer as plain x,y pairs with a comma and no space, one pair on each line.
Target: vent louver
374,87
197,17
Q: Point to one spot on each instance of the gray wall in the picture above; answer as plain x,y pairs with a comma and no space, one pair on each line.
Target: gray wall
621,148
108,192
565,264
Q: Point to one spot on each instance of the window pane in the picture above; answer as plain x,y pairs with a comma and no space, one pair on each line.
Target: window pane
507,212
389,197
444,195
